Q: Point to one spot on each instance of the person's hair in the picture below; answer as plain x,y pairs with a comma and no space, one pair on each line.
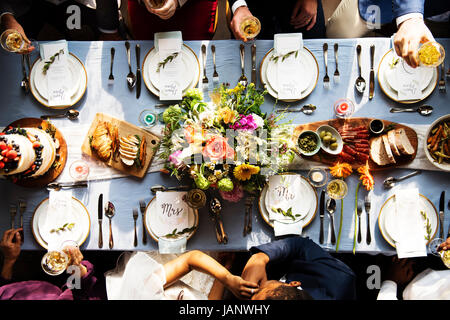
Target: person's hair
284,292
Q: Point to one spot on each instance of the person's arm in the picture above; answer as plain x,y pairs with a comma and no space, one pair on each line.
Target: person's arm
166,11
197,260
388,291
107,14
240,12
10,247
304,14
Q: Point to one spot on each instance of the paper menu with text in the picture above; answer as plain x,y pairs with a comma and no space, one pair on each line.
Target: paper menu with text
172,213
170,72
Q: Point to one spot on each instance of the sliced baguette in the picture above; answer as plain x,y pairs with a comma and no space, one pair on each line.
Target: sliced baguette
387,147
391,138
402,142
378,152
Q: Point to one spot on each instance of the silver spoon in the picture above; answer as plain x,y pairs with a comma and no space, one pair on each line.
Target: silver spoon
58,186
306,109
424,110
157,188
70,114
360,83
131,77
331,207
110,210
391,181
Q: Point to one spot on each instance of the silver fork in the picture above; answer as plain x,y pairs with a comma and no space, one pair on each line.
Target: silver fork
359,211
143,206
205,78
336,72
326,78
22,209
243,79
13,212
111,76
367,207
135,216
442,88
248,215
215,74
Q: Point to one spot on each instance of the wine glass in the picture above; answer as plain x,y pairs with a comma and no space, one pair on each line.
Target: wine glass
250,27
55,262
431,54
433,247
12,41
337,189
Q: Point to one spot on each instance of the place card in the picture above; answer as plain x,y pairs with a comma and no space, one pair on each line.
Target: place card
284,196
170,63
172,213
58,211
287,48
57,74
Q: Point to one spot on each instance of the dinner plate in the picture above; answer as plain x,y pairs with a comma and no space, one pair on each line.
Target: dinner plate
386,85
388,228
74,78
311,80
309,216
150,218
79,93
394,75
80,217
191,70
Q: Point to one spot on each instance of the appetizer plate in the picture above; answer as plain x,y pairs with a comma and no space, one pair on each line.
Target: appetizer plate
150,217
388,81
78,78
443,166
389,230
310,197
80,217
190,65
309,64
335,134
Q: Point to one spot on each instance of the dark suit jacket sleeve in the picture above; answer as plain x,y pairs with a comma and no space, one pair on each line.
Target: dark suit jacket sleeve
5,7
402,7
107,15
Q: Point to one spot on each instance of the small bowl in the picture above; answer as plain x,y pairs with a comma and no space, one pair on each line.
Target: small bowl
335,134
444,165
314,174
376,124
316,136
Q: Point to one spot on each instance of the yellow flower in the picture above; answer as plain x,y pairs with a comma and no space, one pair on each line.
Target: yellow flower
245,171
238,89
227,115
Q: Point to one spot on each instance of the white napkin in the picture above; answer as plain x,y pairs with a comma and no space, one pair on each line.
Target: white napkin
282,229
57,73
284,192
172,212
288,70
409,237
169,74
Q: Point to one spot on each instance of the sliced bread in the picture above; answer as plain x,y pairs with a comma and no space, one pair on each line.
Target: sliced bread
388,148
402,142
378,152
391,138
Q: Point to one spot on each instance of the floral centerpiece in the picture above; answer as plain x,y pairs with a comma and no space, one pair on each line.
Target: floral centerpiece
228,144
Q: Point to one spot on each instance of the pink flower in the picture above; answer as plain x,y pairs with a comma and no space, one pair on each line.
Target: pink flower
245,123
234,195
174,158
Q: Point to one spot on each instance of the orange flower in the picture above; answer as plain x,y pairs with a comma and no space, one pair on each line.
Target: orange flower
341,170
192,134
366,177
227,115
217,148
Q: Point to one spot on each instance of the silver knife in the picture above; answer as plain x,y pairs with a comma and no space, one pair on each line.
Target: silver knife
138,72
441,214
372,73
100,219
322,215
254,64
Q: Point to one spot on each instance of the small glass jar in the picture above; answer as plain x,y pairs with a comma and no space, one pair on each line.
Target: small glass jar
79,170
344,108
318,177
148,118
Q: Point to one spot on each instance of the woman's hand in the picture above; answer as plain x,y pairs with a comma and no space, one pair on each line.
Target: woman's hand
166,11
304,14
241,288
9,22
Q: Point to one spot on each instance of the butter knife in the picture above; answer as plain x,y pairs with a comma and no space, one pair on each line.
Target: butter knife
253,64
322,215
372,73
100,219
441,214
138,71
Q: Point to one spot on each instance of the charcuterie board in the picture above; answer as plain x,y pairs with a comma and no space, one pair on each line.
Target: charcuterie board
362,145
146,144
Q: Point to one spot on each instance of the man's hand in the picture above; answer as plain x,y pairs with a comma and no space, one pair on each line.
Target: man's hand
401,271
445,245
75,257
255,269
239,15
9,22
410,34
166,11
10,245
304,14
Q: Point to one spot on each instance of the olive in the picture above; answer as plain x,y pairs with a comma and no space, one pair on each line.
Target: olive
326,139
334,146
322,134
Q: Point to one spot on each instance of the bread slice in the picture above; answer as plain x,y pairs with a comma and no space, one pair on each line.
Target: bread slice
378,152
391,138
388,148
402,142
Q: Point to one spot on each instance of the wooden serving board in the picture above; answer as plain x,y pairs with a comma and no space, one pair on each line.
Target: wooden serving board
125,129
329,159
54,172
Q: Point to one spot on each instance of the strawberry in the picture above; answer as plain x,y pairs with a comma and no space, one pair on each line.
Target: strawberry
36,144
4,152
12,154
2,165
3,145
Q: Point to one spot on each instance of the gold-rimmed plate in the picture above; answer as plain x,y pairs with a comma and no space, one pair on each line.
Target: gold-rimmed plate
149,215
309,216
80,217
385,62
388,232
76,67
313,75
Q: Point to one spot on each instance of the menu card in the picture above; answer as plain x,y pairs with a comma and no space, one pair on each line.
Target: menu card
287,47
57,73
283,195
169,52
409,237
172,213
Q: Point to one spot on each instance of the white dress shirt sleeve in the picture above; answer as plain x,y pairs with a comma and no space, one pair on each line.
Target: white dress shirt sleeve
182,2
237,4
405,17
388,291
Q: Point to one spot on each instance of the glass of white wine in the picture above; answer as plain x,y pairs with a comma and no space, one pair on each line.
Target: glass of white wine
250,27
337,189
13,41
433,247
55,262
